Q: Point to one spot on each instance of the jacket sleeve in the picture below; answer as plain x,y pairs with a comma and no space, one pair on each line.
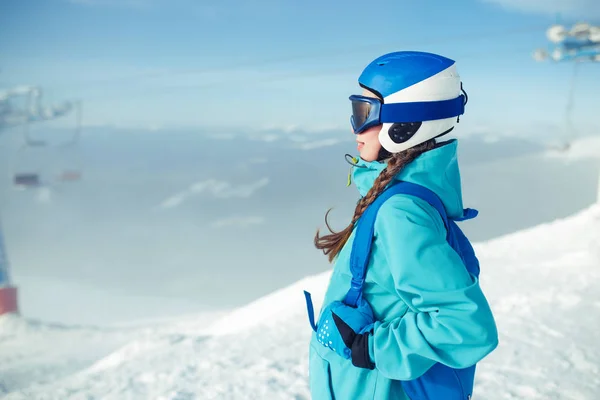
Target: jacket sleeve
448,319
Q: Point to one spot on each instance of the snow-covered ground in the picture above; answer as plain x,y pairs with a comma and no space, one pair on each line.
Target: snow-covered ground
543,285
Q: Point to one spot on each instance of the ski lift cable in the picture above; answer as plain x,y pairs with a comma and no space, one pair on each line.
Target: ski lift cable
72,140
270,78
32,102
78,110
472,36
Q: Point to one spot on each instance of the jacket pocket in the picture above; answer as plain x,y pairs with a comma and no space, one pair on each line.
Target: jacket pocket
319,376
332,377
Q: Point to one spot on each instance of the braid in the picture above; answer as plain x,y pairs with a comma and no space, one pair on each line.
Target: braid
332,244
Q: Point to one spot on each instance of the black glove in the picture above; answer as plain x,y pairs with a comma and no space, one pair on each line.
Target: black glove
358,343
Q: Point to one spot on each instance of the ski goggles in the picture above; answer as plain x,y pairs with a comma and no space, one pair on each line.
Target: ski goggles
368,112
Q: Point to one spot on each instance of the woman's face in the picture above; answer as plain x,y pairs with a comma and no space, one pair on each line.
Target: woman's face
368,141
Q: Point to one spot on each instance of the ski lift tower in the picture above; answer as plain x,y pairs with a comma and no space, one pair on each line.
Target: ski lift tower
580,43
12,116
8,293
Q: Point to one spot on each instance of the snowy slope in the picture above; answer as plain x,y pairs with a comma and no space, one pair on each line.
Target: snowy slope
38,352
32,351
543,285
583,147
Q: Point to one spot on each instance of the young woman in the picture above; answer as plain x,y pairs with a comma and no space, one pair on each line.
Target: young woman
419,307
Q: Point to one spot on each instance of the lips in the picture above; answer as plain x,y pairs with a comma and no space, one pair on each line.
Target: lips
360,145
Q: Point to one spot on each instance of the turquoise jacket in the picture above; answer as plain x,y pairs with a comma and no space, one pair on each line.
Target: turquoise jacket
428,307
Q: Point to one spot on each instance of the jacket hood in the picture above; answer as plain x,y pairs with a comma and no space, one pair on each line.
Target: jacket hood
436,170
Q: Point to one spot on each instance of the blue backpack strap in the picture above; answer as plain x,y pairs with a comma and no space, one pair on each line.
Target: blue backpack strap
468,213
361,246
311,310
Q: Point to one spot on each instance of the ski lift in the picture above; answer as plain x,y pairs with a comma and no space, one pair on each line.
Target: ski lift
557,54
74,138
540,55
594,35
27,180
69,176
579,43
59,162
30,141
580,30
576,45
557,33
72,171
26,168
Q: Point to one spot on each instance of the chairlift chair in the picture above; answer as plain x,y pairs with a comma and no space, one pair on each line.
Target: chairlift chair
27,180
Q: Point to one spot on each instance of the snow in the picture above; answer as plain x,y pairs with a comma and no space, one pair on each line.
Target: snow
584,147
32,351
543,284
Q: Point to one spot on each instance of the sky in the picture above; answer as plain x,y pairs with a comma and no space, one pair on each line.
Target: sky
275,64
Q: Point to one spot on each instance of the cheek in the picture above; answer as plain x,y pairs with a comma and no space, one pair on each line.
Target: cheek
372,146
372,136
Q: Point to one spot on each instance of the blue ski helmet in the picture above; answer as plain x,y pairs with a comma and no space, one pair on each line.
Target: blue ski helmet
420,98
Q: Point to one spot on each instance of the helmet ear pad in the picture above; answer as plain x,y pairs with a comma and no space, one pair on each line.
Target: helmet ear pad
401,132
425,131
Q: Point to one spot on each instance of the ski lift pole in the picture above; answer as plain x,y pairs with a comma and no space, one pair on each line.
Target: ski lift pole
8,293
570,128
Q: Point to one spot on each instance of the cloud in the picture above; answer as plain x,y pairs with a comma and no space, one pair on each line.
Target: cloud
226,190
219,189
240,222
317,144
573,8
174,200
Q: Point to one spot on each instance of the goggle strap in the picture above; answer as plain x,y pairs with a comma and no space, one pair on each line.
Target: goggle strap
422,111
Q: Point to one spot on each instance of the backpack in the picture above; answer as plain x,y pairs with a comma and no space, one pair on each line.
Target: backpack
440,381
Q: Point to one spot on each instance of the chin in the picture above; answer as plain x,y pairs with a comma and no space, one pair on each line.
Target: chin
368,157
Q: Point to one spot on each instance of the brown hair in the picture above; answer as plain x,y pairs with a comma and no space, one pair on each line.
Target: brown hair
332,243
